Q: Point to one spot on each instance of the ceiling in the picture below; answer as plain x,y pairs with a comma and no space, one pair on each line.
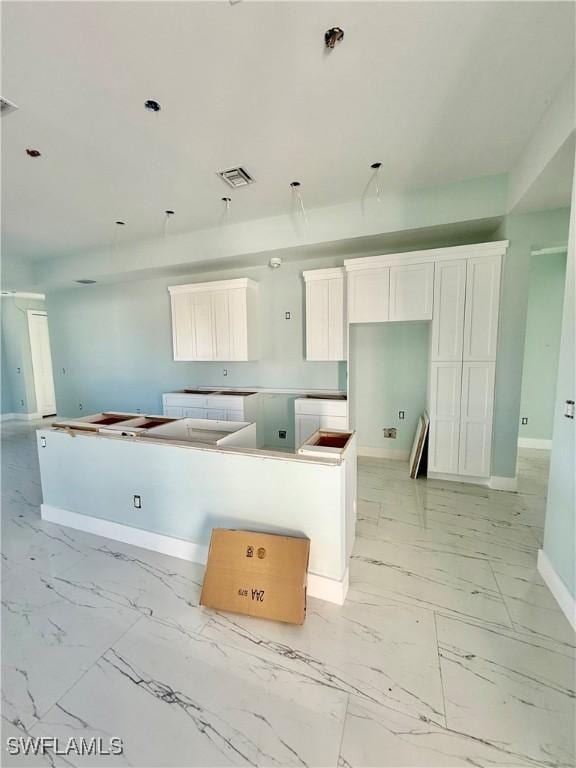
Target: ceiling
437,92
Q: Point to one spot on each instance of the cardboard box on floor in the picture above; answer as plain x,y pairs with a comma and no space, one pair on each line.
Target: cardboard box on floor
259,574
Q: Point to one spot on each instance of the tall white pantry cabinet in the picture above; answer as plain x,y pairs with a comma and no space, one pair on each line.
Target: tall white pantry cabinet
458,289
463,364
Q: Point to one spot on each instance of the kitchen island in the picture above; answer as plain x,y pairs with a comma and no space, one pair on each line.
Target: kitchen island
167,491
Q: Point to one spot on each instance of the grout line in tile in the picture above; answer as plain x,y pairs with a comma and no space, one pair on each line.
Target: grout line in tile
493,572
440,670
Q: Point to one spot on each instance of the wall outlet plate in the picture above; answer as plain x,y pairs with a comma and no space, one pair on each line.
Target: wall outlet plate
390,432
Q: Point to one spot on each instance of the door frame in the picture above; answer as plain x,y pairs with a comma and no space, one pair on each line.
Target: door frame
29,314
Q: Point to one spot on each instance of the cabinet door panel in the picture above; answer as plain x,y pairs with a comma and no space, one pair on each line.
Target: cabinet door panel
306,426
221,321
202,320
368,295
173,410
216,414
482,307
318,320
445,391
476,419
337,336
448,314
411,292
182,337
195,413
238,327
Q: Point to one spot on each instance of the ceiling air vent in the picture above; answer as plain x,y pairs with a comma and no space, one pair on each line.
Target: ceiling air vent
6,107
236,177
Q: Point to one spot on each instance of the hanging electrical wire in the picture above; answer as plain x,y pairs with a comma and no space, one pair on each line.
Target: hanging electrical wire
117,225
225,215
297,196
374,181
167,216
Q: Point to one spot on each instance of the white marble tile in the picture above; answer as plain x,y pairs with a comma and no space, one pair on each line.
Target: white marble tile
532,608
179,700
377,737
52,633
381,653
160,587
505,688
442,581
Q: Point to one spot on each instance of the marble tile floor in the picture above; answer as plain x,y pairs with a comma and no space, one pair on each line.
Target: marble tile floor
449,651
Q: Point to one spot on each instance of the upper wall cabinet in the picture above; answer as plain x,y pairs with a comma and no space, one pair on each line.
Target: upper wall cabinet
368,295
325,314
448,320
411,291
389,293
215,321
482,306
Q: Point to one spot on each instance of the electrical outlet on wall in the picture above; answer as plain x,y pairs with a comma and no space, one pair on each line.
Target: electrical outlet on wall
401,414
524,420
287,316
282,434
224,371
390,432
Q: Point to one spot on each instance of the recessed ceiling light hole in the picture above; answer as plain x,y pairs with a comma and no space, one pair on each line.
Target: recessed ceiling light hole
33,153
152,106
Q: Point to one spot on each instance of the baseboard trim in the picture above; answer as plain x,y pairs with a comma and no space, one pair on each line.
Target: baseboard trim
322,587
495,483
534,442
20,416
503,483
384,453
559,590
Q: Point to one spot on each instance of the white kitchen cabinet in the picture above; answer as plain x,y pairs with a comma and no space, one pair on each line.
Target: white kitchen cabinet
448,316
313,413
220,406
411,291
215,321
444,412
325,314
482,308
368,295
477,405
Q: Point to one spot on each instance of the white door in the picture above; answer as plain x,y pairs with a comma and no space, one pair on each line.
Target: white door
317,320
201,307
42,363
221,319
445,389
368,295
411,292
448,317
182,337
305,426
482,305
476,419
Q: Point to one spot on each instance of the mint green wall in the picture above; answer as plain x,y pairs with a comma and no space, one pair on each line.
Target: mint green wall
17,374
389,371
542,347
526,232
560,523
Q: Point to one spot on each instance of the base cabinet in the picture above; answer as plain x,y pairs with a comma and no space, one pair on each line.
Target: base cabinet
312,414
217,407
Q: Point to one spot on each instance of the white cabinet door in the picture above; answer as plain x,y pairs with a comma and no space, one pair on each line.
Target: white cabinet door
482,305
182,335
337,333
318,320
448,314
201,305
476,419
238,325
411,291
445,390
195,413
368,295
216,414
305,426
173,410
221,321
333,422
